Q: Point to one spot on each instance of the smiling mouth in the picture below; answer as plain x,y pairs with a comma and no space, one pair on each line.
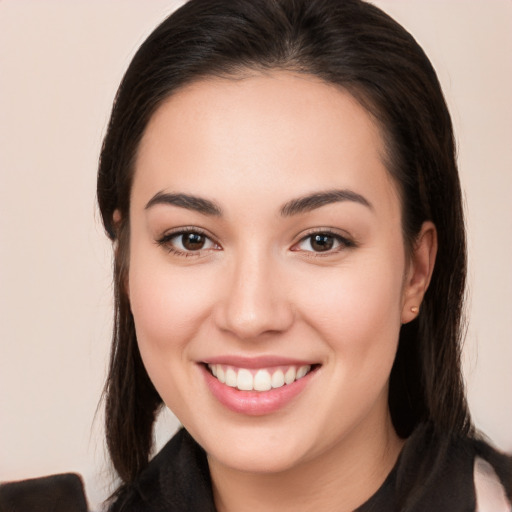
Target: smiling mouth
262,379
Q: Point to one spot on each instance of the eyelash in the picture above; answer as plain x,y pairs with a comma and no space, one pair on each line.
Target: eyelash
165,241
344,243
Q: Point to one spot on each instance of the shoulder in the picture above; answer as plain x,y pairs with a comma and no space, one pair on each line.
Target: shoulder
176,479
439,471
492,475
436,471
56,493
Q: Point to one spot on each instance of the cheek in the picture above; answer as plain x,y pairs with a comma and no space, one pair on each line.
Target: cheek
167,306
358,311
168,309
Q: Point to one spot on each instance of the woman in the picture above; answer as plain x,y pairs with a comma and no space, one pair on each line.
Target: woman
279,180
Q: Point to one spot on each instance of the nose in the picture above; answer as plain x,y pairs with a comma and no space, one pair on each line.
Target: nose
255,299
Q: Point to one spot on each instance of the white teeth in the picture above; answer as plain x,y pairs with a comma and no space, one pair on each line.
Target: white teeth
244,380
301,372
231,378
262,381
290,375
257,380
278,379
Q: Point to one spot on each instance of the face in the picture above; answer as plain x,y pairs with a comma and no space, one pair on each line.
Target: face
267,275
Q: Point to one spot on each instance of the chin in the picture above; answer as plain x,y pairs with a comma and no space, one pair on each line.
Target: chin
257,459
257,447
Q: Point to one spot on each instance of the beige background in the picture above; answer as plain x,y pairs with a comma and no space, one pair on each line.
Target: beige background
60,64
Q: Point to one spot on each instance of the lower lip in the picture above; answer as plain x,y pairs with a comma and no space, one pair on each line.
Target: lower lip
254,403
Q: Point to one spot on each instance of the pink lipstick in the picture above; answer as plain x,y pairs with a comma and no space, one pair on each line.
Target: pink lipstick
256,386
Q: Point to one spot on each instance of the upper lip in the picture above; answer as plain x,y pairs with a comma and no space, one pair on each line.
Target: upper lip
267,361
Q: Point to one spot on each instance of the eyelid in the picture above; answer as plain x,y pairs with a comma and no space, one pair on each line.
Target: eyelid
346,241
164,240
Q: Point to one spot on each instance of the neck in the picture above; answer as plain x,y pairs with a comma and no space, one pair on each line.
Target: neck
340,479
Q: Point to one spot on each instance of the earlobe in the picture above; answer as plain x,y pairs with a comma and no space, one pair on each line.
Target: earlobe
421,267
116,218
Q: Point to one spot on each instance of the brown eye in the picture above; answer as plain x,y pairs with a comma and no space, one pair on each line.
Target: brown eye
322,242
193,241
187,243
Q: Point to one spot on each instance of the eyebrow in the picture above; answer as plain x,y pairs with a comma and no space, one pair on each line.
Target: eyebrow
293,207
198,204
319,199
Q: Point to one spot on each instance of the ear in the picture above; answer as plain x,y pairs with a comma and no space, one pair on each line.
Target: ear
419,272
116,218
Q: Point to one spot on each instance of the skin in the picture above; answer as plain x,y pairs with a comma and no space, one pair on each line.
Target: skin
257,287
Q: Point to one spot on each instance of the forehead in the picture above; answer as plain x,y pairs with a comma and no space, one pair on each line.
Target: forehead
288,133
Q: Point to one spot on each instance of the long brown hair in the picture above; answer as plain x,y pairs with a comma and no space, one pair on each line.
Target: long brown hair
358,47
